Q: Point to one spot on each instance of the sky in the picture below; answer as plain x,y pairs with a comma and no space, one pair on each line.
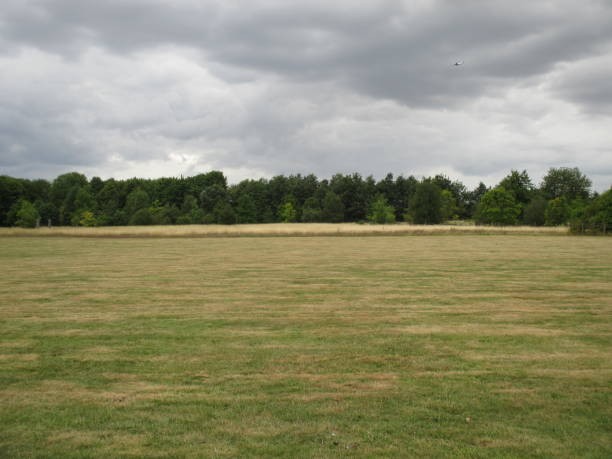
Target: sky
256,88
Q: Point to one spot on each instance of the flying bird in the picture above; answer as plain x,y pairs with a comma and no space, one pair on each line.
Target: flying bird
458,63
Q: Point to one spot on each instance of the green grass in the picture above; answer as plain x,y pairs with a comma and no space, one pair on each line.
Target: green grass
422,346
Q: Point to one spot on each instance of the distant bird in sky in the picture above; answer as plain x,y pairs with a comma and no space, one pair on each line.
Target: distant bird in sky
458,63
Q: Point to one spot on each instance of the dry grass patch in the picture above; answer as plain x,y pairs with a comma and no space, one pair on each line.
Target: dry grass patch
481,330
277,229
19,357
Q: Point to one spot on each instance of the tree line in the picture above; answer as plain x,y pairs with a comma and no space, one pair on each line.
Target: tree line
564,197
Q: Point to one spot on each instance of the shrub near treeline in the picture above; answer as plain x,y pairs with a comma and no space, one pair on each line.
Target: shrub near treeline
563,198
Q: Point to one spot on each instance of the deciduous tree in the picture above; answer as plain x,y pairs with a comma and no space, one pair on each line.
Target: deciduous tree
381,211
498,207
426,205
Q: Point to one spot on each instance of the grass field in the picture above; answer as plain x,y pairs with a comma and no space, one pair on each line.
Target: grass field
409,346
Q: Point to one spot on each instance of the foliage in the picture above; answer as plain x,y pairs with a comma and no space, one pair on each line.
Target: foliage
600,212
287,212
534,213
87,219
311,212
11,191
557,212
212,196
333,208
355,194
381,211
596,217
190,212
474,197
224,214
519,185
498,207
448,206
141,217
208,199
246,209
567,183
426,205
26,216
137,200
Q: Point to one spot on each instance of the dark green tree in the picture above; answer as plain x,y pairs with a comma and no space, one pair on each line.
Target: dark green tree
141,216
520,185
137,201
163,214
567,183
498,207
473,199
332,210
459,193
405,187
11,191
224,214
600,212
557,212
64,190
196,184
534,213
426,205
83,202
252,203
190,212
110,201
311,212
95,185
448,205
246,209
355,193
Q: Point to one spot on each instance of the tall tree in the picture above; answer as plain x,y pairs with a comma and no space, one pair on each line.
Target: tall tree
565,182
332,209
534,213
601,212
473,198
137,200
212,196
498,207
110,203
520,185
557,211
11,191
355,193
311,212
426,206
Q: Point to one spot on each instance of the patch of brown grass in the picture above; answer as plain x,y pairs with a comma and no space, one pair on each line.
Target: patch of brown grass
277,229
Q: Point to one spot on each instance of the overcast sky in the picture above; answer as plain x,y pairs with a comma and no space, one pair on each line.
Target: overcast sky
255,88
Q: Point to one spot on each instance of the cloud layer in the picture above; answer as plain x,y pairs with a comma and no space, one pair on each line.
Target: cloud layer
149,88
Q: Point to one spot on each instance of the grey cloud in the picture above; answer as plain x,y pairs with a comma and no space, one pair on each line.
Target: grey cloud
587,83
27,142
285,87
385,49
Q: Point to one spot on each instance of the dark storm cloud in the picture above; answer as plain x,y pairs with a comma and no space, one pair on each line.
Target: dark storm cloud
393,49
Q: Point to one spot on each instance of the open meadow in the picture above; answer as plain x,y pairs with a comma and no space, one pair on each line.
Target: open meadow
363,346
